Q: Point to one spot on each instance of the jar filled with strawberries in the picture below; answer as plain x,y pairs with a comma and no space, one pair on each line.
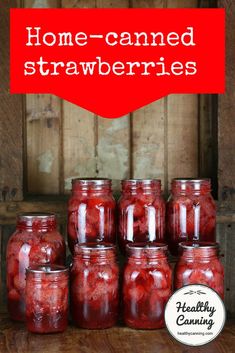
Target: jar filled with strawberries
141,212
191,212
199,263
94,286
35,241
91,212
47,298
147,285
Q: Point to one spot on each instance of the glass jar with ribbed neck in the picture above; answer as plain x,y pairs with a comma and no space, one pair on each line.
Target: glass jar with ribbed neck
94,286
141,212
147,285
35,241
91,212
199,263
191,212
47,298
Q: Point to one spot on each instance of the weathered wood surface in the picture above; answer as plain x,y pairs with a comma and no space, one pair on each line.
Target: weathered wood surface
9,210
43,133
11,122
226,114
79,130
157,141
15,338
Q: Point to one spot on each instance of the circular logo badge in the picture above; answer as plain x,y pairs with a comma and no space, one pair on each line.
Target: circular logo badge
195,315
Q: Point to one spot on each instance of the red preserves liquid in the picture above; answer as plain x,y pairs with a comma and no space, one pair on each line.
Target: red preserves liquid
35,241
191,212
199,264
94,286
141,210
91,212
147,286
47,298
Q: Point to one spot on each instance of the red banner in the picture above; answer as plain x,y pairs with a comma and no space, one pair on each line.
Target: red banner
114,61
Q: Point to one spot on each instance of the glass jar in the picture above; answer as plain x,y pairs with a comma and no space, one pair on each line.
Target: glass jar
191,212
141,211
94,286
91,212
46,298
147,285
35,241
199,264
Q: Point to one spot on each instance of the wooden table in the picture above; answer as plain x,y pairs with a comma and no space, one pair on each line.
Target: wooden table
14,338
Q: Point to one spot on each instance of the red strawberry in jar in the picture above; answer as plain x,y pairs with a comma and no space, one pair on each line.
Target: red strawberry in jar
94,286
141,212
35,241
146,285
199,264
191,212
47,298
91,212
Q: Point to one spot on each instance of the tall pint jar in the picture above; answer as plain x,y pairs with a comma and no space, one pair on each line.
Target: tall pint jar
141,212
191,212
91,212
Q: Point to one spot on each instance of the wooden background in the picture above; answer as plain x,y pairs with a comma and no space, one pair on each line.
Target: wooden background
45,141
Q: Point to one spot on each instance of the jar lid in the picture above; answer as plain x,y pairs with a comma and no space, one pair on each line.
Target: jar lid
141,181
193,180
29,216
49,269
147,246
94,246
91,181
198,245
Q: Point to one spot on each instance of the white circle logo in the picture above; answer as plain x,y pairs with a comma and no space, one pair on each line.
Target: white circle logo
195,315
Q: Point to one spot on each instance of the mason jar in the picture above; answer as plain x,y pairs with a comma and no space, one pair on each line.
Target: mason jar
199,263
35,241
91,212
147,285
47,298
94,286
141,212
191,212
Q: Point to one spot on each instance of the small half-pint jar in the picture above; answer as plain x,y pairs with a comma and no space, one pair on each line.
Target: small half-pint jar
147,285
199,263
47,298
94,286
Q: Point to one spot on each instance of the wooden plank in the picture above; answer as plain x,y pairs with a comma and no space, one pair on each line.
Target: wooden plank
79,130
2,257
208,143
7,231
226,115
148,126
11,120
43,119
9,210
182,125
41,3
43,129
208,128
226,239
113,135
182,136
16,338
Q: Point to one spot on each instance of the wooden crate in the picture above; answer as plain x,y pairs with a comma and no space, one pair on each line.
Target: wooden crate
45,141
